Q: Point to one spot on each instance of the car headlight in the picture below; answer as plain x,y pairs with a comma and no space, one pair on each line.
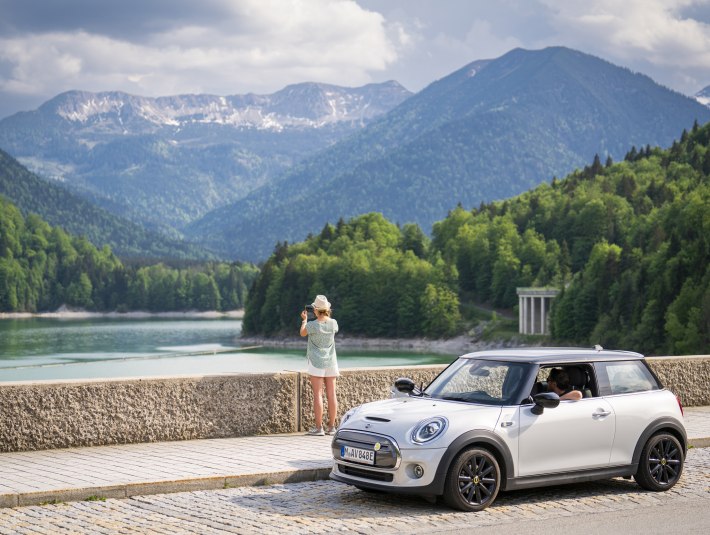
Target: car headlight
427,430
348,414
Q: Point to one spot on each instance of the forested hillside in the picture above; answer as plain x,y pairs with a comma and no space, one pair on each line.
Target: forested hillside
43,268
58,206
375,273
628,243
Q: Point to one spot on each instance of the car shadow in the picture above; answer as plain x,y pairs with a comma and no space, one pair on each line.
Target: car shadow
329,499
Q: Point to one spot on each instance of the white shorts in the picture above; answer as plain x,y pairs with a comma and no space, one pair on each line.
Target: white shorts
320,372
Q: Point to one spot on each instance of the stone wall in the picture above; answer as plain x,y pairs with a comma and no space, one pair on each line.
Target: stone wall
686,377
61,414
362,385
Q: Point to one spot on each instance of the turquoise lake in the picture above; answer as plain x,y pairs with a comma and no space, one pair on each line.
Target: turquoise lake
55,348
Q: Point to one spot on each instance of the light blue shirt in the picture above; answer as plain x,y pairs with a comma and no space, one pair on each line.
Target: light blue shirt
321,343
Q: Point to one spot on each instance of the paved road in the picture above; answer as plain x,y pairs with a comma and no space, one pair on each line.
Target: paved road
690,517
329,507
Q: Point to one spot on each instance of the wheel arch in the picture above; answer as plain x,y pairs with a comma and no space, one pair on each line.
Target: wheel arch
662,425
484,439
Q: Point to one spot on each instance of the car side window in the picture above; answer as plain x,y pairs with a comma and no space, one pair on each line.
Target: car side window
540,381
625,377
579,374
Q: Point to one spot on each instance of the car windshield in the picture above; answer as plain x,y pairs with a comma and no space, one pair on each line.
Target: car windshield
488,382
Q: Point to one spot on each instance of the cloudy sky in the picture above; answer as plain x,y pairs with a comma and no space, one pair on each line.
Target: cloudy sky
226,47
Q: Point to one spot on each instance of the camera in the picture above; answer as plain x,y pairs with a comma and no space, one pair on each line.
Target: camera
310,314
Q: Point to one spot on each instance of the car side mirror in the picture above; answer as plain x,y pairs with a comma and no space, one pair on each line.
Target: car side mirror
545,400
406,386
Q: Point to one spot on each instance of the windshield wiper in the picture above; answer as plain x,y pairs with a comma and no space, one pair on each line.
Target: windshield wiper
420,394
455,398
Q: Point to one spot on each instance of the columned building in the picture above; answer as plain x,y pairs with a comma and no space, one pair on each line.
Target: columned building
534,309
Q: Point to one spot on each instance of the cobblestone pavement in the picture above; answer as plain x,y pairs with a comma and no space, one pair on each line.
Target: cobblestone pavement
120,471
330,507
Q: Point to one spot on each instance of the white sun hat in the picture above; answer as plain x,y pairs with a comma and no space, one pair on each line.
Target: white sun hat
321,303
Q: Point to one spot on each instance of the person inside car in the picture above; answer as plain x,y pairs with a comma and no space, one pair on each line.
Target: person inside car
558,382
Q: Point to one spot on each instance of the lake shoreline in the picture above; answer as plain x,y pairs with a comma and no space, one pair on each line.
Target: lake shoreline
65,313
450,346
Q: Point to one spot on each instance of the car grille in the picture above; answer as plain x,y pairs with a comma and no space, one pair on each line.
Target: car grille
386,457
365,474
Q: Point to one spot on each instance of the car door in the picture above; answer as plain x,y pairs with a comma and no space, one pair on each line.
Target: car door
575,435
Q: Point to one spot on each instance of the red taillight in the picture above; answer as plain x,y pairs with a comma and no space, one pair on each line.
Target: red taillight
680,405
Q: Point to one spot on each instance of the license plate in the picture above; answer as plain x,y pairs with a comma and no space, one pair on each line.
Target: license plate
357,454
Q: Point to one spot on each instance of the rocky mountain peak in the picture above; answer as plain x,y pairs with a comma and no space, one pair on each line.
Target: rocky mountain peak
305,105
703,96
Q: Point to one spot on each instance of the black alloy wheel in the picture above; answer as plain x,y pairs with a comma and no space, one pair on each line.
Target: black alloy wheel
661,463
473,480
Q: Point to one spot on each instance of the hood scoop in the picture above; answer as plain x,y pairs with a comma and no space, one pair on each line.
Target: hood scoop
376,419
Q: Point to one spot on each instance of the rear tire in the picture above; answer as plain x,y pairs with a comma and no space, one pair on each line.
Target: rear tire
661,463
473,480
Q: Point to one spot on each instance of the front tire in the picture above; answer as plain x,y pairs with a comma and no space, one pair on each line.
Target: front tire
473,480
661,463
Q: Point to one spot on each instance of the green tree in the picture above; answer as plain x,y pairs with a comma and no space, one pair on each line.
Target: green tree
413,239
205,294
78,293
442,311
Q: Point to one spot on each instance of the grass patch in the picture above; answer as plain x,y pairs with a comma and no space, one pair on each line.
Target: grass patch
499,328
95,498
474,314
51,502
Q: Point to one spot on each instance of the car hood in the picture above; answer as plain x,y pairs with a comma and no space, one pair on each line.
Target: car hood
397,417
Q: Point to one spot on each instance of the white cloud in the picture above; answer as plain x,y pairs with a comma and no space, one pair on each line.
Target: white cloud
483,39
653,34
260,46
164,47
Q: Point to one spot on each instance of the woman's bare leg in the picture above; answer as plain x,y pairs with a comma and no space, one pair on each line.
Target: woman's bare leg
317,386
332,400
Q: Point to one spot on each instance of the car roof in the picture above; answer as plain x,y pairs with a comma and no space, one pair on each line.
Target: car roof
553,355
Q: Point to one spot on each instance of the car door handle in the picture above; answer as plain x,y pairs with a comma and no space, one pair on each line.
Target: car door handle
600,413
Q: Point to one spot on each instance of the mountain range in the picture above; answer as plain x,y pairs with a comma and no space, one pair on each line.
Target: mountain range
167,161
240,174
488,131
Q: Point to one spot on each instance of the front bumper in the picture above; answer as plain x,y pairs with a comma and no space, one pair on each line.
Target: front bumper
395,469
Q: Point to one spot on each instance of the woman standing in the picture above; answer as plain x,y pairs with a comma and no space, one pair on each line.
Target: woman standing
322,362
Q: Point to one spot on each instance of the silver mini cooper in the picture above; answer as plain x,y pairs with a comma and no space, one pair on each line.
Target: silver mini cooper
490,422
